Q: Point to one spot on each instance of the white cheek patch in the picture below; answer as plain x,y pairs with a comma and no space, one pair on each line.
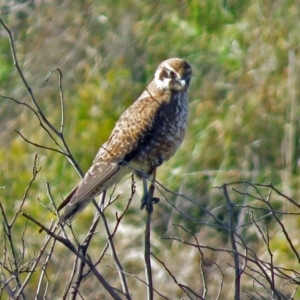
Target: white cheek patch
162,84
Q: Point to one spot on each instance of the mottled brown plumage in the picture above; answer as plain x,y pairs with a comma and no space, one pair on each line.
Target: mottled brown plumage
148,133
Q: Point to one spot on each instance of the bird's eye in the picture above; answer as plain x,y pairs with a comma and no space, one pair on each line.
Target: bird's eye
171,74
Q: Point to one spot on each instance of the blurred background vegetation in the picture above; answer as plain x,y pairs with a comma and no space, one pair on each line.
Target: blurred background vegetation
244,95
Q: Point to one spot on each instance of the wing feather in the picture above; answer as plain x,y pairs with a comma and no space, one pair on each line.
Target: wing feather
129,134
93,179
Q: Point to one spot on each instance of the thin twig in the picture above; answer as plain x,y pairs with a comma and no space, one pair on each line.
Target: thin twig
233,244
147,240
182,286
113,250
72,248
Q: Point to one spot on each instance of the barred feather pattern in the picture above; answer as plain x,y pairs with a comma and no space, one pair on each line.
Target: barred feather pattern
148,133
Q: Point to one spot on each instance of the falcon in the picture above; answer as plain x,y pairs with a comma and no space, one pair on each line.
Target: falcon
148,133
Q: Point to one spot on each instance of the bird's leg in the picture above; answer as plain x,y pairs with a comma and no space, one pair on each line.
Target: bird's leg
148,200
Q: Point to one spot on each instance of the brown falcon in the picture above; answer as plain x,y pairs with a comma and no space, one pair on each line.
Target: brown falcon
148,133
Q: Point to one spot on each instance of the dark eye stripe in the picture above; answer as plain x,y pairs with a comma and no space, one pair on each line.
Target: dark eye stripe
166,73
163,74
172,74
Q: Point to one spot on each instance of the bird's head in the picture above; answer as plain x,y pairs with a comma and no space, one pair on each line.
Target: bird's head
173,74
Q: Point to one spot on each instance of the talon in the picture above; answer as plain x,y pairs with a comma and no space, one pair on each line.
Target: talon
155,200
148,201
143,203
